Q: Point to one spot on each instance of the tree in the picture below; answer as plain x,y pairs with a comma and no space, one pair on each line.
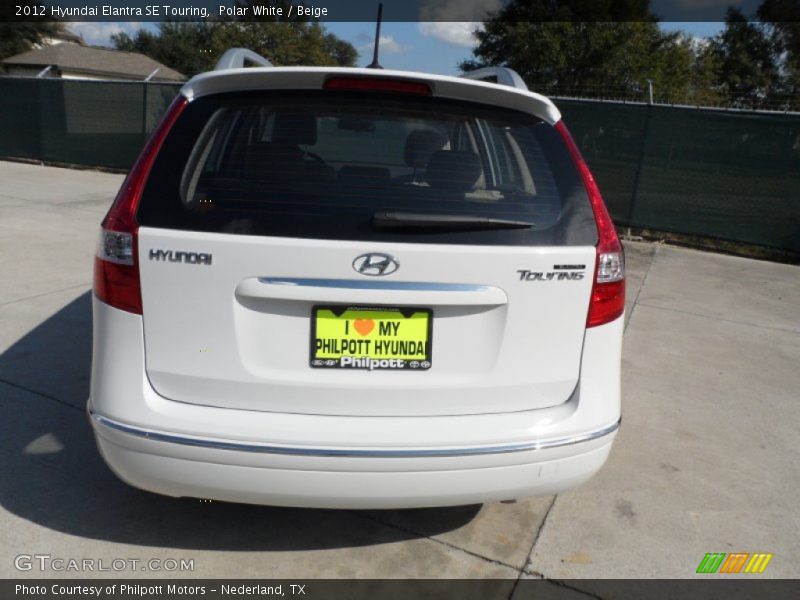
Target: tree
191,48
185,47
704,87
342,52
748,72
782,22
18,37
588,48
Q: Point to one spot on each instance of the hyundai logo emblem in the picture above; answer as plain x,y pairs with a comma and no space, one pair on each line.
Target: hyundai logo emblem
375,264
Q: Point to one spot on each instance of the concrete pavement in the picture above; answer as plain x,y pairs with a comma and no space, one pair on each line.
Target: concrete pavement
707,459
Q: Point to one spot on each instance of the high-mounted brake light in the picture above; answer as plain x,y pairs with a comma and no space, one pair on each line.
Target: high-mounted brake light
377,84
116,269
608,287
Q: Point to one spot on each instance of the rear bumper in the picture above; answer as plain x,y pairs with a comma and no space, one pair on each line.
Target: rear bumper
230,470
111,427
180,449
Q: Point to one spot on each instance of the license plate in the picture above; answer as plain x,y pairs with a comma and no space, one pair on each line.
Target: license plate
356,337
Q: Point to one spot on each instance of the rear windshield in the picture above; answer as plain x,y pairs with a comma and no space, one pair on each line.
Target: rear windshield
324,164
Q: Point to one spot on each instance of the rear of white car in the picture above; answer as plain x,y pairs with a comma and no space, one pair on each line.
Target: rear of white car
348,288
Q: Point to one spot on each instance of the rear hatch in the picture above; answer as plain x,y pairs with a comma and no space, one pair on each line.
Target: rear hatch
364,253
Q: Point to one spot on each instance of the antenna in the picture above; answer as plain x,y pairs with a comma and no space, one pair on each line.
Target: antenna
375,64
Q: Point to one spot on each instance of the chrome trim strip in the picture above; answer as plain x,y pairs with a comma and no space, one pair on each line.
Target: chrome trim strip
357,284
350,452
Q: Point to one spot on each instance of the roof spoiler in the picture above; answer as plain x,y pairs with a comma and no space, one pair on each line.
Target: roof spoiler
236,58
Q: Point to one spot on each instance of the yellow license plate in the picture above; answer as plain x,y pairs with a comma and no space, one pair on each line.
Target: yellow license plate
355,337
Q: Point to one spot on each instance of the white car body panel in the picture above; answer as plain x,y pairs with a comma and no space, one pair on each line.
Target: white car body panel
244,343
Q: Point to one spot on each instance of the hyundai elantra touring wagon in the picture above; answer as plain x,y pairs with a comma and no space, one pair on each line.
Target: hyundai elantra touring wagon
353,288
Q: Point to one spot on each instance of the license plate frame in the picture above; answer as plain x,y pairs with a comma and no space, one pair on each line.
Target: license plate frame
404,355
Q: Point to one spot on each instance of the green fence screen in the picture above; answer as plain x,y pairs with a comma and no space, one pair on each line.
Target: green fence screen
95,123
722,174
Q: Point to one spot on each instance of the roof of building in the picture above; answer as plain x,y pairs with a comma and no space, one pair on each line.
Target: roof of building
92,61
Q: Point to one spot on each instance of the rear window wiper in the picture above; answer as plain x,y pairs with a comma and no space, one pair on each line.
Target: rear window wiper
411,220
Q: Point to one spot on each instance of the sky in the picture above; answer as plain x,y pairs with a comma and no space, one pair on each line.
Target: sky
430,47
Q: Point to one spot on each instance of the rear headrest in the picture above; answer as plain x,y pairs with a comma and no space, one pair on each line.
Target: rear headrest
420,145
267,160
453,169
294,129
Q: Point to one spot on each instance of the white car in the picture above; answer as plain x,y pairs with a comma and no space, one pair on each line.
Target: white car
357,288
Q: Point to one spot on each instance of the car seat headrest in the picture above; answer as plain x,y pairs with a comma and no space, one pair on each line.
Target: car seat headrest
420,146
453,169
297,129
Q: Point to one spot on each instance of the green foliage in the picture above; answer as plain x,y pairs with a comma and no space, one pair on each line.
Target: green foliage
185,47
782,22
19,37
192,48
588,57
343,53
705,89
747,69
612,49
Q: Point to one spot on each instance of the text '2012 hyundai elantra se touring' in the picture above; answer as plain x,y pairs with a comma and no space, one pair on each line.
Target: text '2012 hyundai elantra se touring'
351,288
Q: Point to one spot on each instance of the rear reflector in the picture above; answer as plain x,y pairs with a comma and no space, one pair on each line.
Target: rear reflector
608,303
608,288
116,277
116,269
377,84
118,285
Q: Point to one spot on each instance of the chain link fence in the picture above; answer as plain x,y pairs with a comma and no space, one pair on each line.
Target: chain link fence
722,174
775,100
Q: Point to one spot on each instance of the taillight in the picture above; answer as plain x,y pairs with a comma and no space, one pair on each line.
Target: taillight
377,84
116,268
608,287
